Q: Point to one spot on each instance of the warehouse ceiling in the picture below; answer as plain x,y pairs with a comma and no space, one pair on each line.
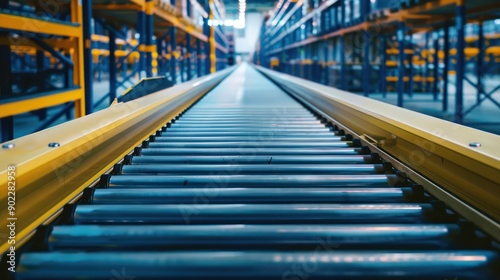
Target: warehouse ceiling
252,6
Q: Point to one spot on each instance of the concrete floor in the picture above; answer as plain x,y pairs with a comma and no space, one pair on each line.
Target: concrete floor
487,112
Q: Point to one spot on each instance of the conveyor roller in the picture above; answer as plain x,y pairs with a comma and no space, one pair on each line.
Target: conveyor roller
250,184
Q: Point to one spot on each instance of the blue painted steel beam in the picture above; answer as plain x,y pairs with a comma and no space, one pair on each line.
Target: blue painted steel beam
366,63
426,66
161,47
66,61
64,111
161,52
188,8
148,41
120,84
189,56
365,8
298,65
480,60
459,96
182,63
487,95
326,67
307,66
206,50
40,68
435,88
383,66
198,58
118,33
87,56
401,60
6,123
68,73
410,64
315,63
112,66
141,29
173,60
206,32
446,50
352,11
343,82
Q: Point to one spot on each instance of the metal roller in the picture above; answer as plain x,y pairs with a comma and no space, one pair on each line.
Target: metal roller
266,134
168,138
269,116
254,138
263,144
254,130
230,178
252,149
352,159
251,195
323,263
182,121
268,119
263,237
258,169
202,213
222,114
292,108
249,125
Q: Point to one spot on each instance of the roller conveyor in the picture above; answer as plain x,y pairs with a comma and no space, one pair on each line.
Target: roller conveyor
250,184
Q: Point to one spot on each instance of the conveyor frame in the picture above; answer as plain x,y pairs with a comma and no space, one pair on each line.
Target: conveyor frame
51,175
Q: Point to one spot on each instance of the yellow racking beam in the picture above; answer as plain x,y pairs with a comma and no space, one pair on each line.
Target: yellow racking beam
212,43
30,104
140,3
118,7
78,63
431,5
14,22
58,43
175,21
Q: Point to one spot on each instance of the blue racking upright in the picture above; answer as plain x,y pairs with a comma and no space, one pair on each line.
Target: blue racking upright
381,46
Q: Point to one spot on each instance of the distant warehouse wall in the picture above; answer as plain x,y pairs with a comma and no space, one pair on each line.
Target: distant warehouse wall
245,45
